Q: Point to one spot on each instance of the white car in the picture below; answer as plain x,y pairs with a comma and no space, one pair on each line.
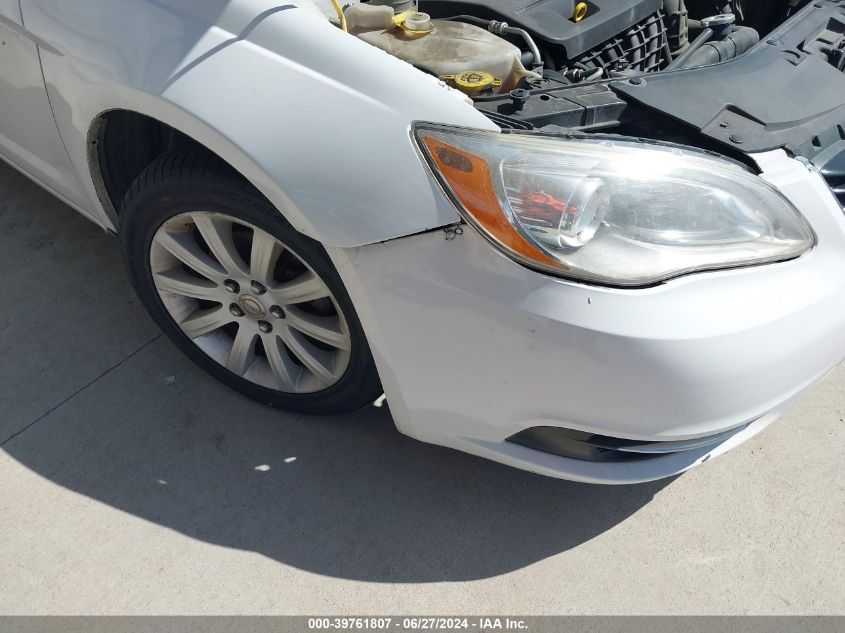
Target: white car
595,240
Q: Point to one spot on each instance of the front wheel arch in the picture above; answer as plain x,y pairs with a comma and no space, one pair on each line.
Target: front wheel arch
185,182
123,143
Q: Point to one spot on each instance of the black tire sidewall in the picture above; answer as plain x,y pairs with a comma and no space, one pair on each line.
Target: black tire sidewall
145,211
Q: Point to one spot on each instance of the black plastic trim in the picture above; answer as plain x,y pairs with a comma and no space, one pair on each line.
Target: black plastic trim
781,94
601,448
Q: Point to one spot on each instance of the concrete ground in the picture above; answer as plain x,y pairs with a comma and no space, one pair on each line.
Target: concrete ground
134,484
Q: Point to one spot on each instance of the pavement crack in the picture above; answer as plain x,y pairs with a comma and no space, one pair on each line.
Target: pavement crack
81,389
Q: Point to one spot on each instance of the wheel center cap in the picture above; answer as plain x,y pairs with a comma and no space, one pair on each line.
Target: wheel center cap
252,307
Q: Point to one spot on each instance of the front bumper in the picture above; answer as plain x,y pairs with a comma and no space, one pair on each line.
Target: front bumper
473,348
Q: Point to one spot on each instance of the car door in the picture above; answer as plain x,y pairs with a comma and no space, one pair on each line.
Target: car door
29,138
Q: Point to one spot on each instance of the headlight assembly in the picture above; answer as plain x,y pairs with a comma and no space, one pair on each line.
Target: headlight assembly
617,213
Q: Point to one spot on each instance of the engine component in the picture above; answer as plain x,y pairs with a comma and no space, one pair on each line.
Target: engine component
473,82
720,24
579,12
716,26
502,28
417,23
677,25
642,48
738,41
709,7
555,22
718,42
443,48
690,50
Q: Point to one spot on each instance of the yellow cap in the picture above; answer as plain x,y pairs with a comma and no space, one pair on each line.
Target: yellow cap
580,12
473,80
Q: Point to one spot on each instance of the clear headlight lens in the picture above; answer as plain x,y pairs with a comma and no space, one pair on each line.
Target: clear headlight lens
613,212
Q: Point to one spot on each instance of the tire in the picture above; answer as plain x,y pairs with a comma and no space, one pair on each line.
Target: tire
295,340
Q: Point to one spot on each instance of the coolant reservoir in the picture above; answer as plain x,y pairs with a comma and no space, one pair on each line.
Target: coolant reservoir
444,48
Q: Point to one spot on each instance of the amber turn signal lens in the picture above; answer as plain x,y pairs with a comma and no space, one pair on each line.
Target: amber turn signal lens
468,177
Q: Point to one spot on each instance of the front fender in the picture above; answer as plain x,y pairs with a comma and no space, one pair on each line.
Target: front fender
317,120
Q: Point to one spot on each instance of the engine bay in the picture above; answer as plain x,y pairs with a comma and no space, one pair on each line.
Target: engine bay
732,77
496,46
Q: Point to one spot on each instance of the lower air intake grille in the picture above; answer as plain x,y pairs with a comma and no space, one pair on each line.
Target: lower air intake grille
600,448
641,48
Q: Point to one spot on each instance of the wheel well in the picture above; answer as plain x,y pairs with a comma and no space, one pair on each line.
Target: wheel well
121,145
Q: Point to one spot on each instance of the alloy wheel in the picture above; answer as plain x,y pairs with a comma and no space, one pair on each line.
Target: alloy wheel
250,302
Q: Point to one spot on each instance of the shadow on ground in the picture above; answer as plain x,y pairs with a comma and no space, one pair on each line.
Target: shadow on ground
345,496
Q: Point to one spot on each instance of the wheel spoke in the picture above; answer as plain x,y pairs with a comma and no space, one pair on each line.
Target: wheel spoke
202,322
319,362
242,354
184,247
325,329
217,233
179,282
307,287
284,369
264,256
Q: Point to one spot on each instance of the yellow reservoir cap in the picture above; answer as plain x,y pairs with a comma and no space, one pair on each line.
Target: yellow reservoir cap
473,81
